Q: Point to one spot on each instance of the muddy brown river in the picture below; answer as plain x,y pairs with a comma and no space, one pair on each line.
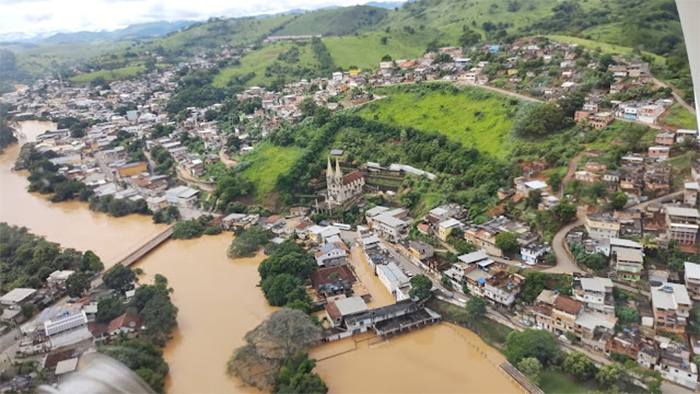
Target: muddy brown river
219,302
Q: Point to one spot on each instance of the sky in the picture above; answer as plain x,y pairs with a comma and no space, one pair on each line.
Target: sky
39,17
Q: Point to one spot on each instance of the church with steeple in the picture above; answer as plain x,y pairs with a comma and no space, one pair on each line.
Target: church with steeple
341,187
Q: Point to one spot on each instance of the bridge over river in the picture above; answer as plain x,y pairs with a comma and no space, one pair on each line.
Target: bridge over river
136,254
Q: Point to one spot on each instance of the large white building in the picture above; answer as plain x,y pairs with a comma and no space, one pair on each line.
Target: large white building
391,277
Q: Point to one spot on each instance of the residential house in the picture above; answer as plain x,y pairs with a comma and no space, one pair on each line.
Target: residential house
557,316
685,133
182,196
127,323
659,152
682,224
666,138
17,297
586,177
132,169
593,166
692,280
333,281
627,342
675,365
534,253
445,228
690,193
647,356
671,306
421,250
650,113
629,263
502,288
57,279
337,311
596,293
331,254
391,277
602,226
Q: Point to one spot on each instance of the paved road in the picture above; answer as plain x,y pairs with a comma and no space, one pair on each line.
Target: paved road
567,265
498,90
675,95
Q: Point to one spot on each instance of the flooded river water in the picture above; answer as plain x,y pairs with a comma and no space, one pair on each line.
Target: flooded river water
219,302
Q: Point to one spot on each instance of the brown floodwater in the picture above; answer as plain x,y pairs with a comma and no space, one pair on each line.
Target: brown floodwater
219,302
71,223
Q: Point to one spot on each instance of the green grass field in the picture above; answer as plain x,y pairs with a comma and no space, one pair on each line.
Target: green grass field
366,50
474,116
259,60
680,117
604,47
109,75
556,382
268,163
337,21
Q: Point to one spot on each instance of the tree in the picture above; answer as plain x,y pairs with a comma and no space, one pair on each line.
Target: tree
469,38
77,284
295,377
280,337
626,315
28,310
507,242
565,211
531,343
307,106
142,357
531,368
187,229
120,278
386,58
248,242
555,181
281,289
108,308
609,375
476,308
580,366
572,102
421,287
534,197
90,262
539,120
619,200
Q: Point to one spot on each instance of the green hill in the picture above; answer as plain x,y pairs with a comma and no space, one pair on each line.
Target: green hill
335,22
473,116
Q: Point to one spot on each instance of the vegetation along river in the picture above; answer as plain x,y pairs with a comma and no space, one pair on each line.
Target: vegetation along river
219,302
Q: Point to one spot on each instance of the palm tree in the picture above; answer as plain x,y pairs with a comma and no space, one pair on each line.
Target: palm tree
649,242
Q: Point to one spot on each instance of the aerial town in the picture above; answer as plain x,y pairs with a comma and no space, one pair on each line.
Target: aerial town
626,239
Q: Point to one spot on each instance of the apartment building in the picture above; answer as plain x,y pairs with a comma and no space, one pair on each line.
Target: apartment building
692,280
671,306
596,293
682,224
602,226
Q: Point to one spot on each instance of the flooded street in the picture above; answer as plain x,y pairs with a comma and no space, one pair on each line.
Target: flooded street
437,359
219,302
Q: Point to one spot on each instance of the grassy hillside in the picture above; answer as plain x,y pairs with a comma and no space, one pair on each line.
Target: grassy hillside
257,62
230,31
604,47
335,22
680,117
109,75
366,50
268,162
472,116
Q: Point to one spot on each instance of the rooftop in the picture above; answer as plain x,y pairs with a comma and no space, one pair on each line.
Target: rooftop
669,296
17,295
680,211
567,305
351,305
692,270
596,284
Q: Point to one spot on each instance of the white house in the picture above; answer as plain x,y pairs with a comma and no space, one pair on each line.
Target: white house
391,276
332,254
533,253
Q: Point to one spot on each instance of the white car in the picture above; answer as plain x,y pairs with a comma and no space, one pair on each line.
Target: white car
520,265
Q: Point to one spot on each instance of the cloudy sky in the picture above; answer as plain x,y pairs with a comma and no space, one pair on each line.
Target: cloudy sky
32,17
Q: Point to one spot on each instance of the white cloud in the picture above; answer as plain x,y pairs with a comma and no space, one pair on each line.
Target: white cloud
43,16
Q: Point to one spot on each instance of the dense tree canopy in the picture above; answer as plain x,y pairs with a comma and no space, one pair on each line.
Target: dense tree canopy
296,377
142,357
421,287
540,120
280,337
540,344
248,242
283,273
119,278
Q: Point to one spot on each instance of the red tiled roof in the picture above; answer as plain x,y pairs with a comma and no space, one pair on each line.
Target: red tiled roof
322,275
97,329
126,320
273,219
352,177
567,304
423,227
332,310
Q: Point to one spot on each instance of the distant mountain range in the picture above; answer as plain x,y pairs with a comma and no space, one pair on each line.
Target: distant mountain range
140,30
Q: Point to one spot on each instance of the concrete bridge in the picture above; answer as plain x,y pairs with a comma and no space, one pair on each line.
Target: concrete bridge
148,245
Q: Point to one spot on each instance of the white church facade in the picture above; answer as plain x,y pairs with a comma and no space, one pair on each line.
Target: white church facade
341,187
